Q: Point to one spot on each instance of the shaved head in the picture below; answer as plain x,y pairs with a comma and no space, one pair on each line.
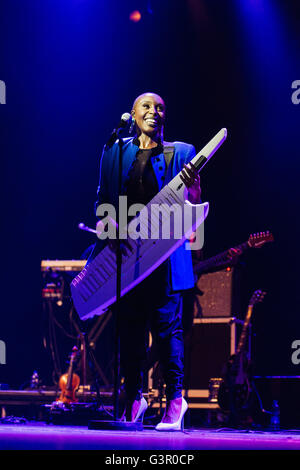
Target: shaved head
147,95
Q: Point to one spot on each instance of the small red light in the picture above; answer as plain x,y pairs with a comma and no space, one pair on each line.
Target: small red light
135,16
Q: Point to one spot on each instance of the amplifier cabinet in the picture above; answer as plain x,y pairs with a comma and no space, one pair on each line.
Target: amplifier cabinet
218,294
207,349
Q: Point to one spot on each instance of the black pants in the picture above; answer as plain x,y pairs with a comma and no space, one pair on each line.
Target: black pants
152,306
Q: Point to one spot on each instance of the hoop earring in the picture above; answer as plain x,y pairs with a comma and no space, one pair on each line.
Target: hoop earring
131,125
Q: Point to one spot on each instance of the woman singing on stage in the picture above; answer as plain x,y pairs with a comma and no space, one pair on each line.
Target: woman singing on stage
156,303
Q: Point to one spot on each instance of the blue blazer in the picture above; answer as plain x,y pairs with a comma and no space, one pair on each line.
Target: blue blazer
182,276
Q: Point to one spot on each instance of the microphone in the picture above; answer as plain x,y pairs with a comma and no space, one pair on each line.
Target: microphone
125,119
82,226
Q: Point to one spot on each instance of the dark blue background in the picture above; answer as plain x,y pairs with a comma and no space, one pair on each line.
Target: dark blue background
72,67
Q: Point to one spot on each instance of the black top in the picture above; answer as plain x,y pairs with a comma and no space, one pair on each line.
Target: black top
141,184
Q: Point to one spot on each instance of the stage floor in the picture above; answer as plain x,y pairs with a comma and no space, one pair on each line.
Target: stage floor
43,436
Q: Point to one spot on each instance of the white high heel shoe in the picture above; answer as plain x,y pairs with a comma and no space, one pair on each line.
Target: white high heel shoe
141,411
178,425
139,414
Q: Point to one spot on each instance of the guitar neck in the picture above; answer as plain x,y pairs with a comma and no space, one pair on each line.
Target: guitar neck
219,260
243,336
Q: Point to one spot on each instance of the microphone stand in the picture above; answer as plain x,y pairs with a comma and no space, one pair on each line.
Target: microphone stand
118,295
116,424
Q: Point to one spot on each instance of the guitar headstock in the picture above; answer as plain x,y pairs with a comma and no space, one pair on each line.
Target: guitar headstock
257,240
257,296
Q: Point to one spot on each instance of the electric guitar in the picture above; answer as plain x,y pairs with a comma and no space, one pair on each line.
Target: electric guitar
235,389
256,240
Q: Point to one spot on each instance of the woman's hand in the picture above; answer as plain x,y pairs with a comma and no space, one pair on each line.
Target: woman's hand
191,178
125,247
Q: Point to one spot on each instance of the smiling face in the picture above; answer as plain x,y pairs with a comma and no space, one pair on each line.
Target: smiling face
149,114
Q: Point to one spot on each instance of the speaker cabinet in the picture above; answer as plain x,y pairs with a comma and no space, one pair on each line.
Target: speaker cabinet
218,294
207,349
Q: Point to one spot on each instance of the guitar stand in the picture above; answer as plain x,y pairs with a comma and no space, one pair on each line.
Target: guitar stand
87,358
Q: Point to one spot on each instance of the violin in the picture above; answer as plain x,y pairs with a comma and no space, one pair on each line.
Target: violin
70,381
